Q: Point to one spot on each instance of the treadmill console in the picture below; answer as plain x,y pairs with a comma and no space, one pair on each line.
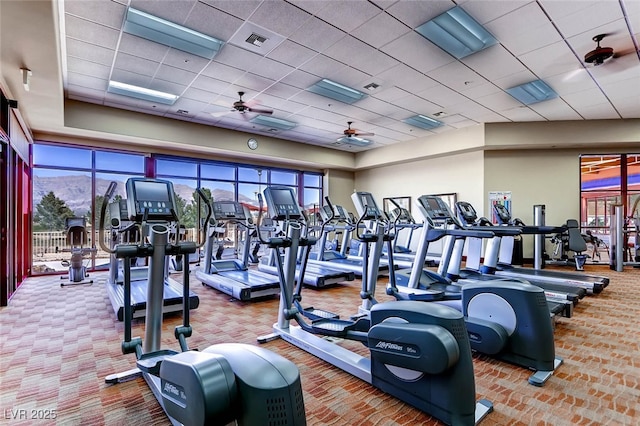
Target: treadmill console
466,212
403,216
435,208
228,210
154,197
364,200
502,214
282,203
341,213
325,213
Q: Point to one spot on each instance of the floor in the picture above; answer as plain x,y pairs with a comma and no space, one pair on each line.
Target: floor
58,344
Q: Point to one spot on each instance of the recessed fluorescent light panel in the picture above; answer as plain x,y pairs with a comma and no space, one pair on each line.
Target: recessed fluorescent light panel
141,93
532,92
337,91
272,122
354,140
170,34
457,33
423,122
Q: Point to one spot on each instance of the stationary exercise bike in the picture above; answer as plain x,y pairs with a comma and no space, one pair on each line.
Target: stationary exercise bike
420,352
77,239
225,382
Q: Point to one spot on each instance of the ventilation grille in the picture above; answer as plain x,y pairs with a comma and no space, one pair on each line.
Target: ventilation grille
459,330
299,401
256,39
276,411
542,300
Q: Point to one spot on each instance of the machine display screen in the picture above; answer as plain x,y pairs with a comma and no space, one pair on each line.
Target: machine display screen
228,210
155,197
282,202
326,212
467,211
341,212
502,213
366,199
435,207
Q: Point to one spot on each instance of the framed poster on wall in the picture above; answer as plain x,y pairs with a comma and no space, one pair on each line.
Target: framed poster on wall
404,202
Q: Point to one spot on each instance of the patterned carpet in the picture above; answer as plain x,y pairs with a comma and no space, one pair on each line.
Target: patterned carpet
58,344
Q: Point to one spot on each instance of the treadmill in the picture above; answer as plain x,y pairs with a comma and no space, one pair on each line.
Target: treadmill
314,275
403,257
591,283
559,302
126,224
232,276
335,259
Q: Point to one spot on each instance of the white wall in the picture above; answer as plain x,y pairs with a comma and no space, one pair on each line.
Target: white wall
339,186
461,174
550,177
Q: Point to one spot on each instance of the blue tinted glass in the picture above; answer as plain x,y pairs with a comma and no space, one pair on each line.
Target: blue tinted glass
311,198
312,180
215,171
250,174
248,193
284,178
61,156
176,168
118,162
220,191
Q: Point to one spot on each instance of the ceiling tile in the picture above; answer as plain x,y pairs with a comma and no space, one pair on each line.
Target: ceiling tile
347,14
416,13
370,32
89,52
109,14
280,17
485,11
292,54
88,32
317,34
417,52
494,62
135,64
170,10
358,42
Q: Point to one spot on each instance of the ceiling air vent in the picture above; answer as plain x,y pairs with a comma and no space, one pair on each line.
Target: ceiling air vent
256,39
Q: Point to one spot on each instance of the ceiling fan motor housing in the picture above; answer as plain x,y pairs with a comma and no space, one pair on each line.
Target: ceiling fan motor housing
599,55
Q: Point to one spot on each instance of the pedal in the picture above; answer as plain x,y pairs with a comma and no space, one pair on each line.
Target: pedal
150,362
317,314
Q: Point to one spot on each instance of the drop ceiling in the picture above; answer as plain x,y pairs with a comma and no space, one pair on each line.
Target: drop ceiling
356,43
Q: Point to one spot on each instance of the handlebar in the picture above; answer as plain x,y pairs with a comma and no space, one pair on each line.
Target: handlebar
103,211
202,235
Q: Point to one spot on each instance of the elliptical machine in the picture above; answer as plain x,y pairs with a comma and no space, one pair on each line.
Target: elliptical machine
225,382
505,319
420,352
77,239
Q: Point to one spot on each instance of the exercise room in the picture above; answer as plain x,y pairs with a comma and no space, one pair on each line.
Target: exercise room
292,212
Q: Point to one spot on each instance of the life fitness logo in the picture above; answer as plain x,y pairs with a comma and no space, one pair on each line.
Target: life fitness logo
389,346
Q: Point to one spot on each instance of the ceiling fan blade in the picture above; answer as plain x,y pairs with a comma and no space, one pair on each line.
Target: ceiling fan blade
357,133
261,111
625,52
222,113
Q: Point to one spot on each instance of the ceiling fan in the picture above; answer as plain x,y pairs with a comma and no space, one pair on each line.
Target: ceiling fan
600,54
352,136
349,132
243,107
